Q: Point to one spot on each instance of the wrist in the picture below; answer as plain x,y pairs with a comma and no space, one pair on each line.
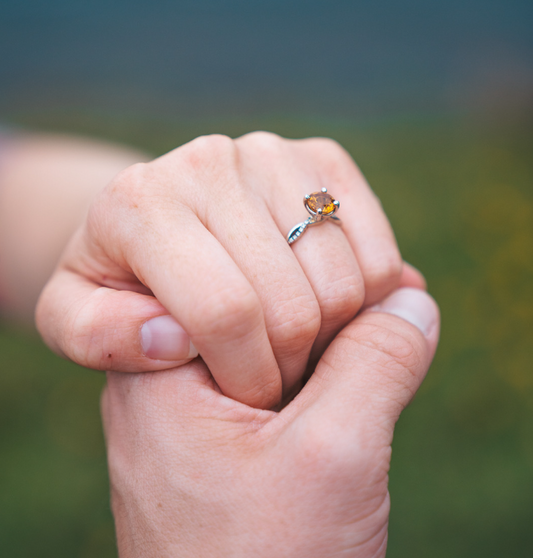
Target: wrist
47,183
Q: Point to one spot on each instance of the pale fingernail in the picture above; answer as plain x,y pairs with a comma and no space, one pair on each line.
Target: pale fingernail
162,338
412,305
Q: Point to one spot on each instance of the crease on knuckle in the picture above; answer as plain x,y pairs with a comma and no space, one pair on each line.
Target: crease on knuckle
301,327
229,312
342,298
383,347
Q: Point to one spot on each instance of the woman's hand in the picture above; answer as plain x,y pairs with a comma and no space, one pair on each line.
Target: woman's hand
188,253
196,474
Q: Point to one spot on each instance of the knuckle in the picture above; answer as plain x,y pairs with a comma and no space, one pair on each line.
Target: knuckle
130,182
298,324
331,150
127,192
328,145
229,312
262,137
213,144
398,356
324,451
206,151
265,142
336,164
343,297
212,162
383,274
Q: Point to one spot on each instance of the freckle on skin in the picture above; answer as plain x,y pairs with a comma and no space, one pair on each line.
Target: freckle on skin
109,355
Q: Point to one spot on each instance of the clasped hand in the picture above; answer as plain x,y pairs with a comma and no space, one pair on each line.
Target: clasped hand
198,235
188,254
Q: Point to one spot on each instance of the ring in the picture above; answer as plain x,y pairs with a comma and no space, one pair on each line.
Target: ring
322,207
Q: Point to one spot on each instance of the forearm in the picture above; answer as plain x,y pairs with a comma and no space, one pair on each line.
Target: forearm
47,183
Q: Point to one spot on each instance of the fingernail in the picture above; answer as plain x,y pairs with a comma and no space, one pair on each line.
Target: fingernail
412,305
162,338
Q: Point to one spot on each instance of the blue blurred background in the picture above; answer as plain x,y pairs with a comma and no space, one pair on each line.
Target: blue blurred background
435,102
343,58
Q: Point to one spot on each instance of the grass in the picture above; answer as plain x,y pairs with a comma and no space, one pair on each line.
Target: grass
459,193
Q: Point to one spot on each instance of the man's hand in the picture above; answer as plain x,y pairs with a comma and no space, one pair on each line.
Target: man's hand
187,254
194,473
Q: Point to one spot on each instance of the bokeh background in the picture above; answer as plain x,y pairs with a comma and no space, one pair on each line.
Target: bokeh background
435,102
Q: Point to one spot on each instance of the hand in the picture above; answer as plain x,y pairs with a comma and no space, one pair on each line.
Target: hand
191,247
196,474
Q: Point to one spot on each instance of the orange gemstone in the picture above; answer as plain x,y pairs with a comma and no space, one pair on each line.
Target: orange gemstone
321,200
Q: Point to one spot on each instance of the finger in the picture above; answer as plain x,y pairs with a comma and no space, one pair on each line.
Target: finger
333,271
221,313
411,277
330,265
106,329
364,221
191,274
290,308
376,364
323,253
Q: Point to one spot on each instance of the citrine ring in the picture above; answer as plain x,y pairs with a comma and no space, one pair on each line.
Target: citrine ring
321,206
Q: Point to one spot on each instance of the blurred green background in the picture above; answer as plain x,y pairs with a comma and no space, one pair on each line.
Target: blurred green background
456,181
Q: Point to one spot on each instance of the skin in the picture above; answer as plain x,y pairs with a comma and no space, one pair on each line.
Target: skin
194,473
199,234
47,183
197,468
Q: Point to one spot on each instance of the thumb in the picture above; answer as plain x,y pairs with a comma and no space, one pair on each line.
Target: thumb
376,364
109,329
